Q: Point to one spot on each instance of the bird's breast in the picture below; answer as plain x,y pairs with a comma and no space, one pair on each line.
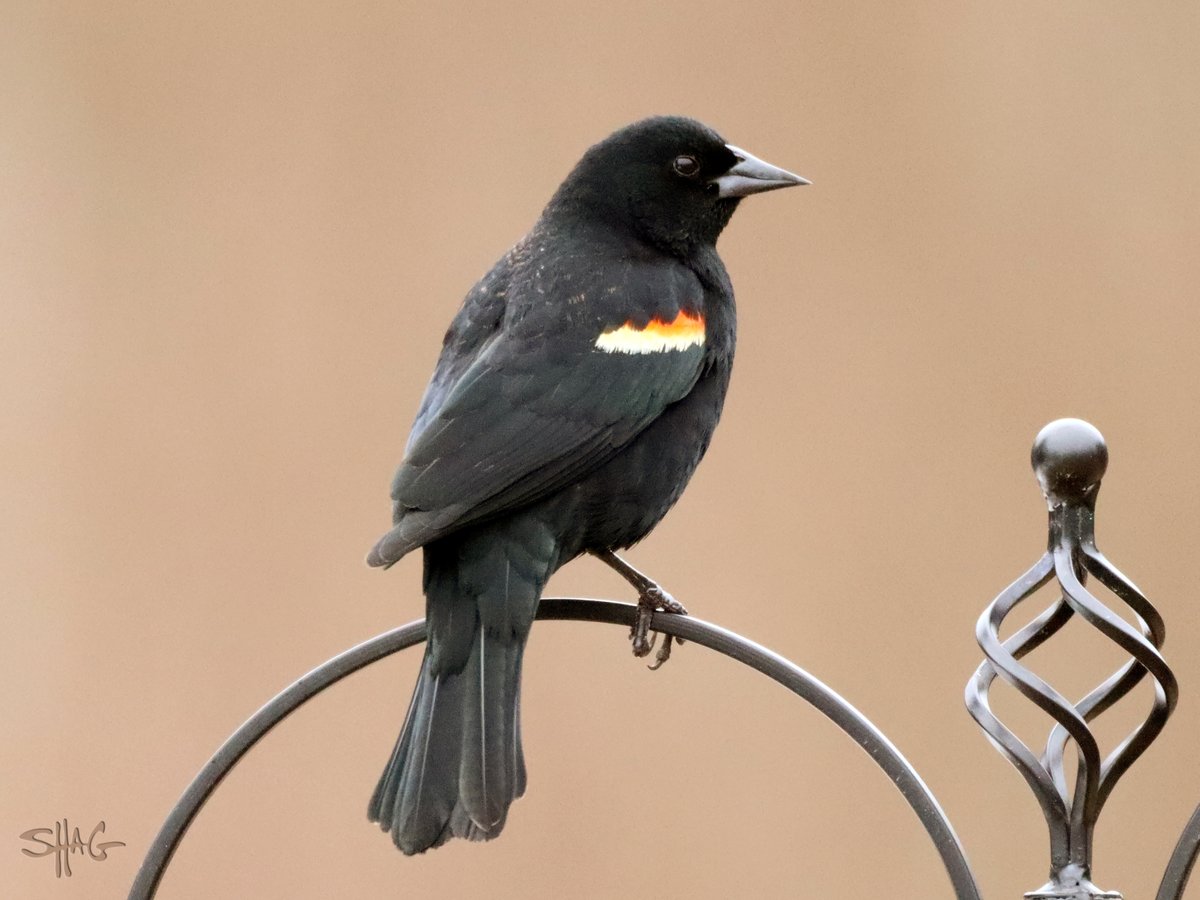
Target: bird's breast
619,504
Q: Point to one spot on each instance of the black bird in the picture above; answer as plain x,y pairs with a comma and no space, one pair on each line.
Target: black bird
576,392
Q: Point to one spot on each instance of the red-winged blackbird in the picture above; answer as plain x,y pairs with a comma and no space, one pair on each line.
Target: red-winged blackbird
576,392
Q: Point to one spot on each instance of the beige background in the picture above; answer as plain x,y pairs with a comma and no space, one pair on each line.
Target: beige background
232,236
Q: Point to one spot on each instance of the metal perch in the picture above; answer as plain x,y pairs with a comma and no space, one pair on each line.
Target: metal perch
791,676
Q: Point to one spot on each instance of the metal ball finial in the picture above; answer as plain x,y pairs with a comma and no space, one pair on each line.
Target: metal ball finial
1069,458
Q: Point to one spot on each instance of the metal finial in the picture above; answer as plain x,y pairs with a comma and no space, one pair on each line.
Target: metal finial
1069,457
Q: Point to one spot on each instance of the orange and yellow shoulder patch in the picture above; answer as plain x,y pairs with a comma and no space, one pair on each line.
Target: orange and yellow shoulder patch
657,336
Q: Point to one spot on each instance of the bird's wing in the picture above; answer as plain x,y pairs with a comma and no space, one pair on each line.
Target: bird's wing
547,398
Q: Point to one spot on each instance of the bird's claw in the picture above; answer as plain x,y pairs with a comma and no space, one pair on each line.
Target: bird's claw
654,599
664,653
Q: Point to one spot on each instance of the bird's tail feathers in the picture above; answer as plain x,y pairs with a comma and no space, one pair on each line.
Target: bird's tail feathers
458,763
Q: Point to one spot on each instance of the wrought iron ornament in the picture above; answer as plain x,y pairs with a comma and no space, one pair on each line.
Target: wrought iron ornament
1069,458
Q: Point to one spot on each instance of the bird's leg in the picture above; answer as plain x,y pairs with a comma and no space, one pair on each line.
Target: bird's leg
651,598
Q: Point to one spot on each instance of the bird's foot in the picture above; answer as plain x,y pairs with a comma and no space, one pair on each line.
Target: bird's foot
653,599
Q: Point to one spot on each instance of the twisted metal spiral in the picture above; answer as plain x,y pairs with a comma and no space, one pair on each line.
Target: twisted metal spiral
1069,458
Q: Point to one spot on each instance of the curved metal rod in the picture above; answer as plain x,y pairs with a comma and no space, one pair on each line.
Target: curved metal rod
1179,868
1107,622
1117,582
1050,792
791,676
1166,690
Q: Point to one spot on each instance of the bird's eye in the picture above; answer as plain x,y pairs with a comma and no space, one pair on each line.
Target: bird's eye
687,166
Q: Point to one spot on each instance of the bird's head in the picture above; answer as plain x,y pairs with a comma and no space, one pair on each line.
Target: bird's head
672,180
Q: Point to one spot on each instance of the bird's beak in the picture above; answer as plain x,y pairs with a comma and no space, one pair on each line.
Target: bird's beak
750,175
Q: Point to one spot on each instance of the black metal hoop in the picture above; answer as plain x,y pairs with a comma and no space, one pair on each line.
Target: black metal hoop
791,676
1182,861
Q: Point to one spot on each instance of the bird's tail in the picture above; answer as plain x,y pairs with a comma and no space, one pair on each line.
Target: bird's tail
458,764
